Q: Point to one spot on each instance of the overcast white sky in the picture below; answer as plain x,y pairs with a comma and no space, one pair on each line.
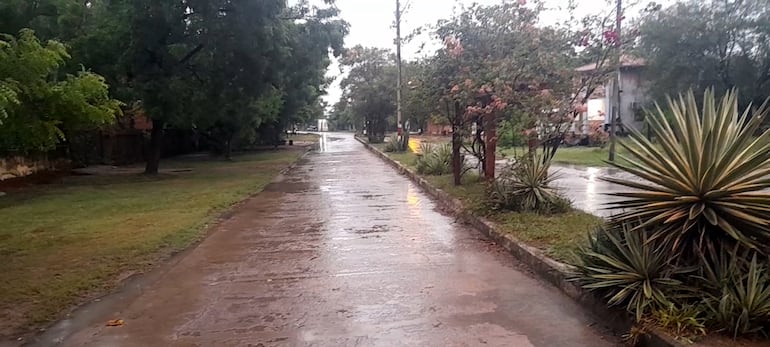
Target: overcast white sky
371,22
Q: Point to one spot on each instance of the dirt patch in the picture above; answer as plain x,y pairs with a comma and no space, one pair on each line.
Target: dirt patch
38,178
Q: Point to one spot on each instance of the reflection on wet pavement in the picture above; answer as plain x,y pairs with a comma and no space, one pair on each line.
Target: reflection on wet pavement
345,252
586,191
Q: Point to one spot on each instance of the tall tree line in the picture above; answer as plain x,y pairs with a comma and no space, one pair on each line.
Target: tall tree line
233,71
720,44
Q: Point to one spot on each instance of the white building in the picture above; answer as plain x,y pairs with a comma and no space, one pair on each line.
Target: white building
603,100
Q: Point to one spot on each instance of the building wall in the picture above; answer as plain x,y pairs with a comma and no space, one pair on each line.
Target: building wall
633,97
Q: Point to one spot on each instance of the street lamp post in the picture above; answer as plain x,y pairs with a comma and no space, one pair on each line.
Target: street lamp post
616,110
398,63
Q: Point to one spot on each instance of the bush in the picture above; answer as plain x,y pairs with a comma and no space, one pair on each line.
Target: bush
392,144
685,322
690,251
739,298
628,269
728,290
436,160
511,135
702,185
527,186
597,137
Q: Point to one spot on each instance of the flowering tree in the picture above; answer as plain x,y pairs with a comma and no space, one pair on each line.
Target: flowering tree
506,63
499,63
512,68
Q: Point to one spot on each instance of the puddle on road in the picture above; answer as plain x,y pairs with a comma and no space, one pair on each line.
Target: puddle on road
372,230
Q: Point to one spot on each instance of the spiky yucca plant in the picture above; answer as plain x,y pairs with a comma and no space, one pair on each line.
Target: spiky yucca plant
392,144
435,160
528,186
628,269
704,179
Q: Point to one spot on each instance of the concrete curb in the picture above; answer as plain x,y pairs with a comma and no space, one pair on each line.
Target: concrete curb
552,271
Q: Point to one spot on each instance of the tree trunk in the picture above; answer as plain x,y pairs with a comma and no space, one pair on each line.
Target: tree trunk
156,142
532,143
490,133
229,148
479,146
457,143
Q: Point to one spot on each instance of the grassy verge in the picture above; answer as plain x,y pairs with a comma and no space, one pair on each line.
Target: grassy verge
583,156
63,243
557,235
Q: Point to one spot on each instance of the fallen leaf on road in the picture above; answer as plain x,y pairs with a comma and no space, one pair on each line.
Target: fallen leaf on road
115,323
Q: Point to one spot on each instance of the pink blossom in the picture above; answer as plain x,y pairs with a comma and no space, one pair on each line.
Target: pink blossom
611,37
454,46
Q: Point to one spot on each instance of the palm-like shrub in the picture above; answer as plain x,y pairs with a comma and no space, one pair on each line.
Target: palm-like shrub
737,290
704,179
435,159
628,269
392,144
528,186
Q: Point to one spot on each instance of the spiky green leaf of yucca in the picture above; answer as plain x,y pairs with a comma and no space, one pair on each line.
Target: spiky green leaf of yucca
704,181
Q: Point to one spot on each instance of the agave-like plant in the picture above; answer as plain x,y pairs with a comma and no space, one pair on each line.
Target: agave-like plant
703,180
628,269
528,186
392,144
435,160
743,305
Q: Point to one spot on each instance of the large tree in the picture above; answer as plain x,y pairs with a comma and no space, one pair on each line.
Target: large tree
39,107
697,45
370,88
225,69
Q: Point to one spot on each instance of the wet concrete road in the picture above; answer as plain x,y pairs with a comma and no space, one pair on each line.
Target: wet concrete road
344,252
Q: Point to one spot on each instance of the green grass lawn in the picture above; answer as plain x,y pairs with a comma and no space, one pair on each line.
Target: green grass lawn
584,156
557,235
63,243
303,137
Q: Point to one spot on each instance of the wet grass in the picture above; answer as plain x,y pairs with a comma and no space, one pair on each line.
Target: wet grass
558,235
307,137
63,243
408,158
583,156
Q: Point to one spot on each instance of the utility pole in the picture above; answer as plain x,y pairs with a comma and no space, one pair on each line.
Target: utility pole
616,110
398,64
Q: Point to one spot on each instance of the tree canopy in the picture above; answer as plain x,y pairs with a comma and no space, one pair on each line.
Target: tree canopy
699,45
499,64
38,108
229,70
